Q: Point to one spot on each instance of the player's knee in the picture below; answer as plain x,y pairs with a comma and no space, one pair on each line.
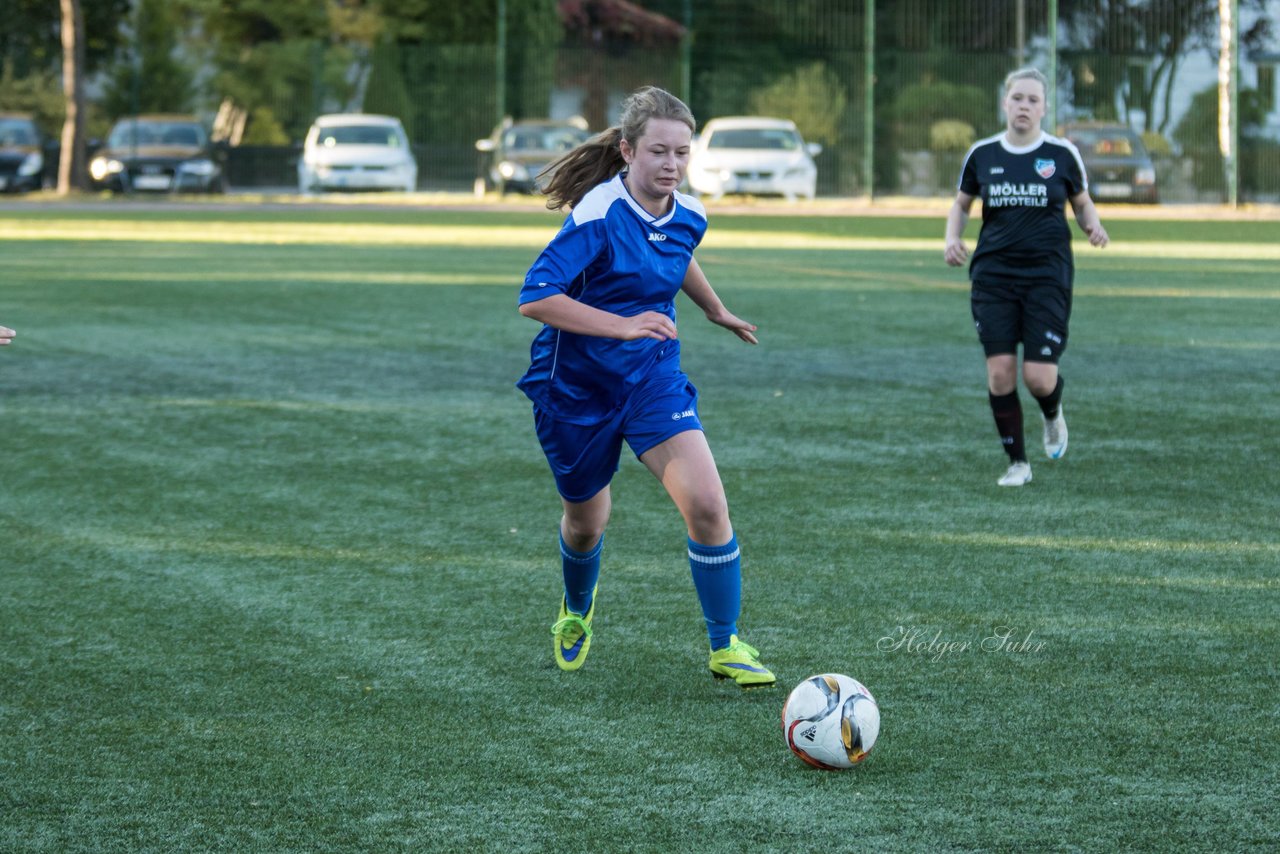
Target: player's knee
707,517
1039,388
582,538
1002,382
1040,381
582,530
1002,374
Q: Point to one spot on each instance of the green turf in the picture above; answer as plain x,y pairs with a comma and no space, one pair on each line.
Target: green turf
277,549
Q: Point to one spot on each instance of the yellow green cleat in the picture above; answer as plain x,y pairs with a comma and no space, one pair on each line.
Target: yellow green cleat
572,635
741,663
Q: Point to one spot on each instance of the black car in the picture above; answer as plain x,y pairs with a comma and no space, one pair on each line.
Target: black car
1117,163
517,152
159,153
22,158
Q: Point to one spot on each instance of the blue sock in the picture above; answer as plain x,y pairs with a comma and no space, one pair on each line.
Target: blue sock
581,571
717,576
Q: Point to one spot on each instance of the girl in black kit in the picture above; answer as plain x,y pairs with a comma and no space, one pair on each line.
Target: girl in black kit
1022,269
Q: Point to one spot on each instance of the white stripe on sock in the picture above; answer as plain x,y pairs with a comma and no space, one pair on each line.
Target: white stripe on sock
732,556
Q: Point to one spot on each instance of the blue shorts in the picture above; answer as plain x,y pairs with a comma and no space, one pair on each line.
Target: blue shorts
584,458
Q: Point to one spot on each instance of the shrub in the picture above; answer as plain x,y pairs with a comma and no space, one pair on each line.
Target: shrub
264,129
1156,144
922,105
951,135
812,96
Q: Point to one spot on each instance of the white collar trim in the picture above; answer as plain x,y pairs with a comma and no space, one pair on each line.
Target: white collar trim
1021,149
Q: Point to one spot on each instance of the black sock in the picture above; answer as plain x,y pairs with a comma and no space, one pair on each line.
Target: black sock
1007,410
1049,403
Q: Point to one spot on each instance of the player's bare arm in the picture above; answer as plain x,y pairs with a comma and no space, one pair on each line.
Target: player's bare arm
1087,217
567,313
956,253
6,335
698,288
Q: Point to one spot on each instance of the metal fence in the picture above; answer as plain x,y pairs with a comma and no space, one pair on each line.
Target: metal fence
937,69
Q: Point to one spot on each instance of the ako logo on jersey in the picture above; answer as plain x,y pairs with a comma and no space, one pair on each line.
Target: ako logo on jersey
1045,168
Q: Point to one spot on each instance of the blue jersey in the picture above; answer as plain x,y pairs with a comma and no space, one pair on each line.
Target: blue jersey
612,255
1024,190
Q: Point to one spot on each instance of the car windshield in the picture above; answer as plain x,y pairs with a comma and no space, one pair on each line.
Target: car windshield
130,133
542,138
1106,143
775,139
17,132
359,135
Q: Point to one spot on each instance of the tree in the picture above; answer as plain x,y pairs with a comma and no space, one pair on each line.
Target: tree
1135,47
31,54
151,79
71,172
30,40
274,62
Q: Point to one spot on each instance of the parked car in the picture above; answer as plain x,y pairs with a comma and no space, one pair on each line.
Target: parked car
22,160
158,153
754,155
1116,161
357,151
517,152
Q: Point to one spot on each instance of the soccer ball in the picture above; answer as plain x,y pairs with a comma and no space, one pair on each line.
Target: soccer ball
831,721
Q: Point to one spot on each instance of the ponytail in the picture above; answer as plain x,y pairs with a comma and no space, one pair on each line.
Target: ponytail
590,164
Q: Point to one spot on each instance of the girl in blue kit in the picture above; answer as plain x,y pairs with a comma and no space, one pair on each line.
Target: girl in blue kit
606,365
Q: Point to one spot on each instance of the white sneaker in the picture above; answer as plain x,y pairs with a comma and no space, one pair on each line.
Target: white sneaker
1055,436
1017,475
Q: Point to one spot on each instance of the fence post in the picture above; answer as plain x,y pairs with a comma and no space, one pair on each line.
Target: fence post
1229,95
500,63
686,55
869,99
1052,94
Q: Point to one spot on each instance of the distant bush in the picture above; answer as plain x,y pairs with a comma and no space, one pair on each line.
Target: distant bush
951,135
1198,130
1260,165
1197,134
922,105
1156,144
813,97
264,129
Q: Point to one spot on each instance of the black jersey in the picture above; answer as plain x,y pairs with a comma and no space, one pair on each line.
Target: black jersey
1025,236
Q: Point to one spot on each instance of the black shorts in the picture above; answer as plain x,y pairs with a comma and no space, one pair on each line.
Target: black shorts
1033,314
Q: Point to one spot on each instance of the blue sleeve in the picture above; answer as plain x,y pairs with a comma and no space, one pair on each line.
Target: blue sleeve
570,252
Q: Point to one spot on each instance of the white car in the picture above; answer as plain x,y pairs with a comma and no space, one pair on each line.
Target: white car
355,151
751,155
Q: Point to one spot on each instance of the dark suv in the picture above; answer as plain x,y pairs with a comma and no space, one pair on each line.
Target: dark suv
158,153
22,157
1117,163
517,152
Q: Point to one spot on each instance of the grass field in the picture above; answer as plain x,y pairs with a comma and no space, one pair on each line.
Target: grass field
278,548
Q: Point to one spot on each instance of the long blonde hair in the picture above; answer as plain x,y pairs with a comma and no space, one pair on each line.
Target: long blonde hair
600,157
